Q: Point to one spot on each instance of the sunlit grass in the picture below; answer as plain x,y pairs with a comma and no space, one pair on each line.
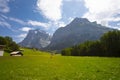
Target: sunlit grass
59,68
6,54
30,52
33,52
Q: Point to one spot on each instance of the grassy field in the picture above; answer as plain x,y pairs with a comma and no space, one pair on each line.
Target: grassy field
30,52
43,67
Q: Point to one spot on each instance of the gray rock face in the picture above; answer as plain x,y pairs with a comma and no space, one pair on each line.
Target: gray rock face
78,31
36,39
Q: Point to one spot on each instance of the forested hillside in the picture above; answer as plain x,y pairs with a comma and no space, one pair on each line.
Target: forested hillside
9,44
108,45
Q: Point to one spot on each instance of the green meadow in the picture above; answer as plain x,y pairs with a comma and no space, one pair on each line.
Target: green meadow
37,65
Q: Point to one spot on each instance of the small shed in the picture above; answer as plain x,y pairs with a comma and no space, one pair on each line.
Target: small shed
2,50
16,53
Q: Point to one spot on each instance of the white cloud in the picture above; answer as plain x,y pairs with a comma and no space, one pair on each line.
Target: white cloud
4,6
70,19
25,29
102,11
3,16
3,23
58,24
4,19
22,35
17,20
72,0
51,9
61,24
37,23
1,19
116,27
118,24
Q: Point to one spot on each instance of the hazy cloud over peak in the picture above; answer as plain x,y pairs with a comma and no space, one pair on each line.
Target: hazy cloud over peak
25,29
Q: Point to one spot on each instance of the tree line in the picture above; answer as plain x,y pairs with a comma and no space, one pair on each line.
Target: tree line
108,45
9,44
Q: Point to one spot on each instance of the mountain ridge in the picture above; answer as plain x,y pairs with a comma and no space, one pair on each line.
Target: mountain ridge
76,32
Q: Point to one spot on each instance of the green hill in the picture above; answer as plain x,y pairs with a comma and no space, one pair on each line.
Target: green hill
30,52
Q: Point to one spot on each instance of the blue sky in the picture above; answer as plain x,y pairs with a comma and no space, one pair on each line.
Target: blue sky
17,17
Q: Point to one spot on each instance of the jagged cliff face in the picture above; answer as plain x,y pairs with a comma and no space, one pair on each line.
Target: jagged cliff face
36,39
78,31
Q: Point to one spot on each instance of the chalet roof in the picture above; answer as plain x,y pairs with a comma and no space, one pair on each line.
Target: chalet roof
15,52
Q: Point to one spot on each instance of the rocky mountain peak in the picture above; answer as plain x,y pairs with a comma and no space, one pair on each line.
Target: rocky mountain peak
77,32
80,21
36,39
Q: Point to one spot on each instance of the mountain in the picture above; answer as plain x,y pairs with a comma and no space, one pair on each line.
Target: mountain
36,39
78,31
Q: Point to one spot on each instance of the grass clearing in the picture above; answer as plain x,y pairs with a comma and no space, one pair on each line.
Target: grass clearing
38,65
30,52
59,68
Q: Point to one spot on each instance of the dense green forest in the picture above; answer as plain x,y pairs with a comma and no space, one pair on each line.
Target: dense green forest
9,44
108,45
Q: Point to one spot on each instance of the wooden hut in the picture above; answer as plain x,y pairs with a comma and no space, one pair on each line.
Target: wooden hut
16,53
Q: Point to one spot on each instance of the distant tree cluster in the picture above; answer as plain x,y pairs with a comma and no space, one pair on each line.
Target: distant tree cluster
10,45
108,45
